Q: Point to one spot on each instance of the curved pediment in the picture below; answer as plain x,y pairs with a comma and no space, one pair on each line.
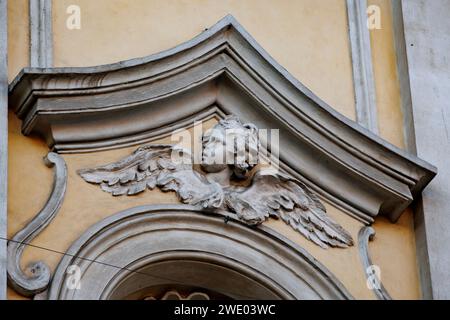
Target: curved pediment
222,71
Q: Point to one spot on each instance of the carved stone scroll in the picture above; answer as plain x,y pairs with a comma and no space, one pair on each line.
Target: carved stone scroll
36,277
365,235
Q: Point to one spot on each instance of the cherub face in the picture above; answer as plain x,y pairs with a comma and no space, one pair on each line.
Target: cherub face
230,143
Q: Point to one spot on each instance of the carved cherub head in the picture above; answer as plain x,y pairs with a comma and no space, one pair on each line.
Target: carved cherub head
230,143
229,149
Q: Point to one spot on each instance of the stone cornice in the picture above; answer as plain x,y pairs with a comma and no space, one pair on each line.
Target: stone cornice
221,71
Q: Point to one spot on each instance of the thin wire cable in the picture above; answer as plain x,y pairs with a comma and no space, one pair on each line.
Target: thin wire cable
111,265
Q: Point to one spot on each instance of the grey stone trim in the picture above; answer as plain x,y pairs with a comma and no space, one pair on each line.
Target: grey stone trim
422,255
41,36
363,78
111,106
153,245
427,46
410,144
3,142
38,282
365,235
403,76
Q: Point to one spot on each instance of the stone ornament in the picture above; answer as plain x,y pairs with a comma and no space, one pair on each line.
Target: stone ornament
36,277
374,283
221,71
254,193
175,295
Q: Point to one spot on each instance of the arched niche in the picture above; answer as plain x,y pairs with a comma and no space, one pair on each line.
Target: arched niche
162,245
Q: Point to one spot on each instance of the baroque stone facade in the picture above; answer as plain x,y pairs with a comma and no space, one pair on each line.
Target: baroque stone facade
149,225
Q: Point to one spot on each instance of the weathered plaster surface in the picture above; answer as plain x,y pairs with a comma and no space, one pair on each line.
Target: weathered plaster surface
426,27
288,29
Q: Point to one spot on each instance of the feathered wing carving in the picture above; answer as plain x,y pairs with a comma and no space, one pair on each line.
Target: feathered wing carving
269,195
150,166
281,196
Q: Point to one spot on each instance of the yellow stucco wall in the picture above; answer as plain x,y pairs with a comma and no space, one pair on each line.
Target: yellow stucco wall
18,37
86,204
309,38
390,123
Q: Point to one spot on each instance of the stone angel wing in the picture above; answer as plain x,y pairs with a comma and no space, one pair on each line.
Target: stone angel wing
154,165
281,196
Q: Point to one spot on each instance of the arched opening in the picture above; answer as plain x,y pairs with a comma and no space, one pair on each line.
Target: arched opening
145,250
187,275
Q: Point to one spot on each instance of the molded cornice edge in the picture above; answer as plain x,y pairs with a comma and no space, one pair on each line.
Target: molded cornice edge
221,71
